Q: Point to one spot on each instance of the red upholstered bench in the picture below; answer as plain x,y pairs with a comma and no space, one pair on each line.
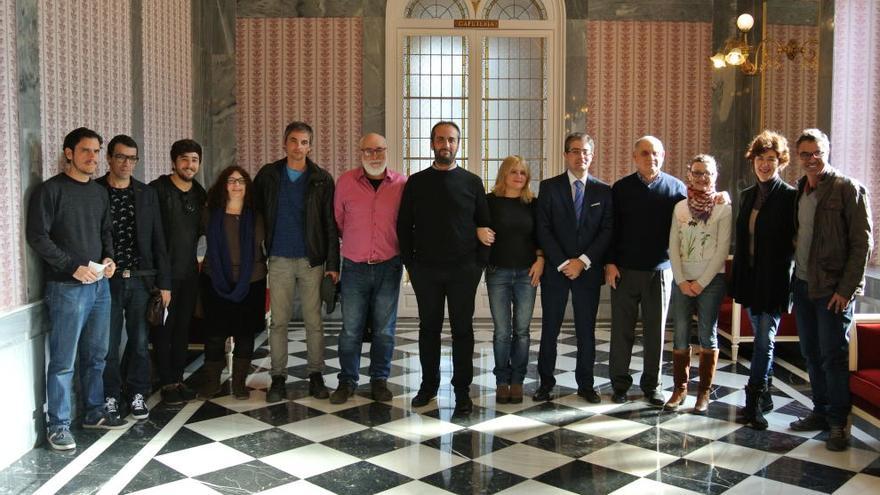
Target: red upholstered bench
864,362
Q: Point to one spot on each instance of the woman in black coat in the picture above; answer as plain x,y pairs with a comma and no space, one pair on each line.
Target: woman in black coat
763,261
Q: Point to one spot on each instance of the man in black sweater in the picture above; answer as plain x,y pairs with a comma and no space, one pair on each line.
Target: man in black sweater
441,209
68,225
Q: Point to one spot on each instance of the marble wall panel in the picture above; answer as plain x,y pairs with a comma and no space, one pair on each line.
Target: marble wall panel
167,81
85,73
12,278
299,69
647,78
855,124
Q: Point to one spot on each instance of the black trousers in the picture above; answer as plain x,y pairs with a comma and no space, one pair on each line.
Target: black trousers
172,339
239,320
434,286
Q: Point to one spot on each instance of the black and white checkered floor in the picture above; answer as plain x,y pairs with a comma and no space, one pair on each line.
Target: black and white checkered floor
362,447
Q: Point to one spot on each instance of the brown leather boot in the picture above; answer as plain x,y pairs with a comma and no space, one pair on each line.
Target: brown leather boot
708,361
516,393
502,394
681,365
211,371
240,369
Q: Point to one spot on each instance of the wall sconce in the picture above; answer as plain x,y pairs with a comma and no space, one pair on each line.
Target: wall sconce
769,53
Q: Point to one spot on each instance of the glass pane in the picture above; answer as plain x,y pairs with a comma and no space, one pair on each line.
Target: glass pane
514,103
515,9
435,9
434,89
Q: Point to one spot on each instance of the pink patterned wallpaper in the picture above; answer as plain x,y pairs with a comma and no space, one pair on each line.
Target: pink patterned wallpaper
299,69
85,72
647,78
168,84
790,96
12,279
855,124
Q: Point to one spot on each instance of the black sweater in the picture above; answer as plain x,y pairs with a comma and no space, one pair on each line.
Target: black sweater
68,225
439,215
514,224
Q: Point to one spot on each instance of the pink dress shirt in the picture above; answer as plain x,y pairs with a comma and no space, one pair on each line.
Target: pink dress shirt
367,218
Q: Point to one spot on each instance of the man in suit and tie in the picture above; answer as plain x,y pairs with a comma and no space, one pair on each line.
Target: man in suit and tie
574,230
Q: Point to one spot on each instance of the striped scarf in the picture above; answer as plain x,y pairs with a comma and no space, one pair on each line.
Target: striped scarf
701,200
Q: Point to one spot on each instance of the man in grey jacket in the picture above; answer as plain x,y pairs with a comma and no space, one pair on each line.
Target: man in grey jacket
833,242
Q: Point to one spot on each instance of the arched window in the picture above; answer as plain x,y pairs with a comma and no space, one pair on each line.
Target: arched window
504,86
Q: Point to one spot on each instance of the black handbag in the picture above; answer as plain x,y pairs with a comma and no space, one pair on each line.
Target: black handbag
155,309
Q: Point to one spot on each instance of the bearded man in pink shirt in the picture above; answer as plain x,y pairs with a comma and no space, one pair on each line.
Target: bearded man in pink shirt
366,203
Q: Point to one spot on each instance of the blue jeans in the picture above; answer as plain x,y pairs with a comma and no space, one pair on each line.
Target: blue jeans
707,303
764,326
129,306
79,315
824,341
511,301
368,291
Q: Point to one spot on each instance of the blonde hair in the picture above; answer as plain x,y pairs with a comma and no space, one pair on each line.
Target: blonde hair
500,189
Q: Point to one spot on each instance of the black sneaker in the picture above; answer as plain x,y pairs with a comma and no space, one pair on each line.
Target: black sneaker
423,397
813,422
316,386
186,393
105,422
171,396
342,393
139,407
111,407
61,439
278,390
379,390
838,439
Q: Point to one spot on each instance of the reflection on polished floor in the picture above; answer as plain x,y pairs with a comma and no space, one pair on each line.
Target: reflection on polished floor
307,446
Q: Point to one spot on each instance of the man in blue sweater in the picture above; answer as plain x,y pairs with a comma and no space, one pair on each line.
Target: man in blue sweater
639,271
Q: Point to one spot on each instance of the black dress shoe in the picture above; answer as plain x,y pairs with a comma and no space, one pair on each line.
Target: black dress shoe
589,395
619,397
655,398
423,397
543,394
463,406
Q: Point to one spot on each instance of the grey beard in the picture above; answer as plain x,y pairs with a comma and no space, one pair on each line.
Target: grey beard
371,170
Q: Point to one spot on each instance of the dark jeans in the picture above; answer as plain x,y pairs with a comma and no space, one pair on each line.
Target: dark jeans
707,305
129,307
512,302
824,341
457,286
368,291
79,316
171,340
239,320
764,327
585,303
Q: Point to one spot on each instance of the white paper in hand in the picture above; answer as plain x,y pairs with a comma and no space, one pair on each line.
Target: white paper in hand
98,269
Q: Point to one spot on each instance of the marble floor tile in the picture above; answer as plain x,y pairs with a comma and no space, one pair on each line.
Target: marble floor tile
283,413
418,428
468,443
310,460
473,477
154,473
250,477
203,459
189,486
361,478
608,427
367,443
301,487
372,414
757,485
417,461
733,457
852,459
806,474
325,427
697,476
556,414
671,442
642,486
415,487
701,426
585,478
513,427
860,484
629,459
265,443
524,460
769,441
532,487
224,427
569,442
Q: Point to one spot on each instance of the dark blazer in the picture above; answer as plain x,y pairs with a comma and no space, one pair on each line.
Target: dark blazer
764,284
150,234
561,237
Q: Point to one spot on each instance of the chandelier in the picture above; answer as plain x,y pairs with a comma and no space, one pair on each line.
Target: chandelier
769,53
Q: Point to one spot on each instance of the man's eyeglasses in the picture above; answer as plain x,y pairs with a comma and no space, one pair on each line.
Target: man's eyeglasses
699,174
806,155
240,181
578,151
123,158
373,151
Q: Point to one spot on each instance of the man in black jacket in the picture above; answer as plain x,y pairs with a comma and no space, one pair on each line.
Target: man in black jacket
141,264
181,200
295,197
